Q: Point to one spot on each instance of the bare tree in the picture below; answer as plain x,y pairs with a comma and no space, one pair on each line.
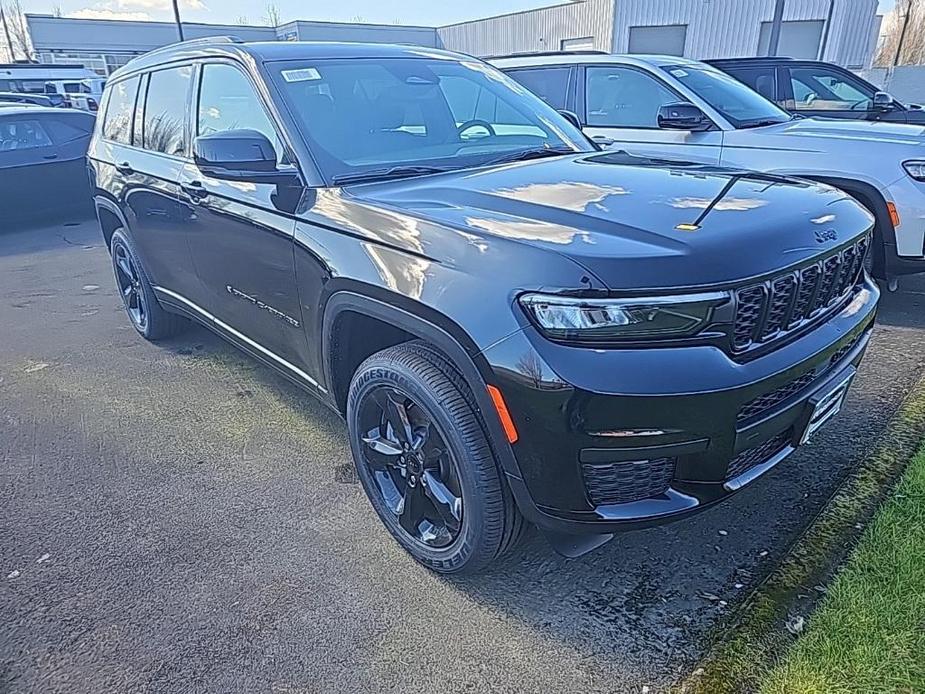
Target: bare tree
902,40
272,17
242,20
16,21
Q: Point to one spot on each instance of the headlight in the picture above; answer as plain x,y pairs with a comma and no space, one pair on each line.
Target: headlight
601,320
915,168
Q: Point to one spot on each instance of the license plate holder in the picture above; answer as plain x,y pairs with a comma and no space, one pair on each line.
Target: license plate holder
826,404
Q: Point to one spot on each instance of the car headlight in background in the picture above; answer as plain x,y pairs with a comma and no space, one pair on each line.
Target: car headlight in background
601,320
915,168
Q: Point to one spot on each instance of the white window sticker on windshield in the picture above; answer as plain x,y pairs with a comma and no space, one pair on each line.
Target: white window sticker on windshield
305,74
679,73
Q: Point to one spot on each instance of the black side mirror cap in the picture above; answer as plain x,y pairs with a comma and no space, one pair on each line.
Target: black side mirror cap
683,116
239,155
883,101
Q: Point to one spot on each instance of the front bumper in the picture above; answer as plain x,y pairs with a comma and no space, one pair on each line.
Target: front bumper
623,438
905,252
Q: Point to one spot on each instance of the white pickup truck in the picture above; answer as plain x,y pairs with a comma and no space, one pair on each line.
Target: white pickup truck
673,108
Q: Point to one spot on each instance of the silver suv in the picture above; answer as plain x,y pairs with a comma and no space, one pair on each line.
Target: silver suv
669,107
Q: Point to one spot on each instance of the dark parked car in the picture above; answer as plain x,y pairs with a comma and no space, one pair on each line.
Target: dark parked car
515,325
43,170
816,88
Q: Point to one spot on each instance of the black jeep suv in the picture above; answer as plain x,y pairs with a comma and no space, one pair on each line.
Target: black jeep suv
515,325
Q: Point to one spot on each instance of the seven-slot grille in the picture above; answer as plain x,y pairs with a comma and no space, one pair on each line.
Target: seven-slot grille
768,310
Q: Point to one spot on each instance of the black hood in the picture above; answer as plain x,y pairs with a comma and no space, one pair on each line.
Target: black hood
637,223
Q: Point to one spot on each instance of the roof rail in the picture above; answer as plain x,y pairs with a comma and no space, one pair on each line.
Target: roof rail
750,59
204,41
540,54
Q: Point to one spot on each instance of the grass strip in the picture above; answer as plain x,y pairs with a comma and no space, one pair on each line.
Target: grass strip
747,648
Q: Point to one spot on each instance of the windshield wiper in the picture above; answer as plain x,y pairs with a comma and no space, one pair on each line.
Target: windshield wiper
536,153
386,174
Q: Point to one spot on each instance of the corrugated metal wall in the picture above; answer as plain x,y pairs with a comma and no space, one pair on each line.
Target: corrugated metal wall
716,28
534,30
730,28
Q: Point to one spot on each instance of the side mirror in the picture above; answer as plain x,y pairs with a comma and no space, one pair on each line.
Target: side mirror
571,117
683,116
883,101
239,155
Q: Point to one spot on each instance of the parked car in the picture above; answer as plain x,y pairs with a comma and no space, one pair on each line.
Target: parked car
43,162
56,82
669,107
817,88
515,325
17,98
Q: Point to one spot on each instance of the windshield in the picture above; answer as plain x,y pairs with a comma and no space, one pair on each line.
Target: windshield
741,106
368,116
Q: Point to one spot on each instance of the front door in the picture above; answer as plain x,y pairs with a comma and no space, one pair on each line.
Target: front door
241,234
620,110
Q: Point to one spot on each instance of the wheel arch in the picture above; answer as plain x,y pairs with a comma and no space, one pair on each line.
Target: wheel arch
422,324
110,217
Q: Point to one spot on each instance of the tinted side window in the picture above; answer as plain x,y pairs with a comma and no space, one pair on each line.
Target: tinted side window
625,98
117,125
227,101
68,129
760,79
819,88
24,134
550,84
165,110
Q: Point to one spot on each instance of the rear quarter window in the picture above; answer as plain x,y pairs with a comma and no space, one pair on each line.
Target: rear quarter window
120,110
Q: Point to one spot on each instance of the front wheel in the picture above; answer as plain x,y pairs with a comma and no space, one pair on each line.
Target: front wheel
425,463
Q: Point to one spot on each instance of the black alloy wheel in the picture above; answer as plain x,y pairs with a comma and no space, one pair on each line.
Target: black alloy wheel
425,462
415,474
129,283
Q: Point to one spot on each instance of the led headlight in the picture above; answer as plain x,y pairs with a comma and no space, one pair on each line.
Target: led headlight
601,320
915,168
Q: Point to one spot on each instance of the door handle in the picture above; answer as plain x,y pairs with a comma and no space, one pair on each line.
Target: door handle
195,191
50,157
125,169
603,140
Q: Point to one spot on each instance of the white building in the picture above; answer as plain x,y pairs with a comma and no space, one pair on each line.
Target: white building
841,31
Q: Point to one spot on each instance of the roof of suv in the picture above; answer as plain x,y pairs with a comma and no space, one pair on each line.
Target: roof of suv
268,51
590,58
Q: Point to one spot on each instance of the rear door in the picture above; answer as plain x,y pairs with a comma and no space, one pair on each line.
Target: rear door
764,79
618,106
554,84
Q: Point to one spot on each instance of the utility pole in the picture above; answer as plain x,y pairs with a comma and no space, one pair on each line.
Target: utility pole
774,42
6,30
902,34
828,27
176,16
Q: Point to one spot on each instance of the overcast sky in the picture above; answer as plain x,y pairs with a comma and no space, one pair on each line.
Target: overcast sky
426,12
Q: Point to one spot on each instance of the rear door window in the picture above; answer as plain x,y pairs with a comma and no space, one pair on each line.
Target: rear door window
761,79
549,83
166,109
117,125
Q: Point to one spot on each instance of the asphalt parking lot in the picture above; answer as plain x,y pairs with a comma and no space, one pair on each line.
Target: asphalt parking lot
178,518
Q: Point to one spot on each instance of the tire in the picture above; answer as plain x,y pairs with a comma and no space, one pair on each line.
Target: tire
144,311
489,522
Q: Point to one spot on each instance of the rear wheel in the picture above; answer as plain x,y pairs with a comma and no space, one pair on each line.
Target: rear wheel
145,312
425,463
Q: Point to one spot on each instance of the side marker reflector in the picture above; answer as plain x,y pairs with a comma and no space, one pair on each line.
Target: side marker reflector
503,414
894,214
